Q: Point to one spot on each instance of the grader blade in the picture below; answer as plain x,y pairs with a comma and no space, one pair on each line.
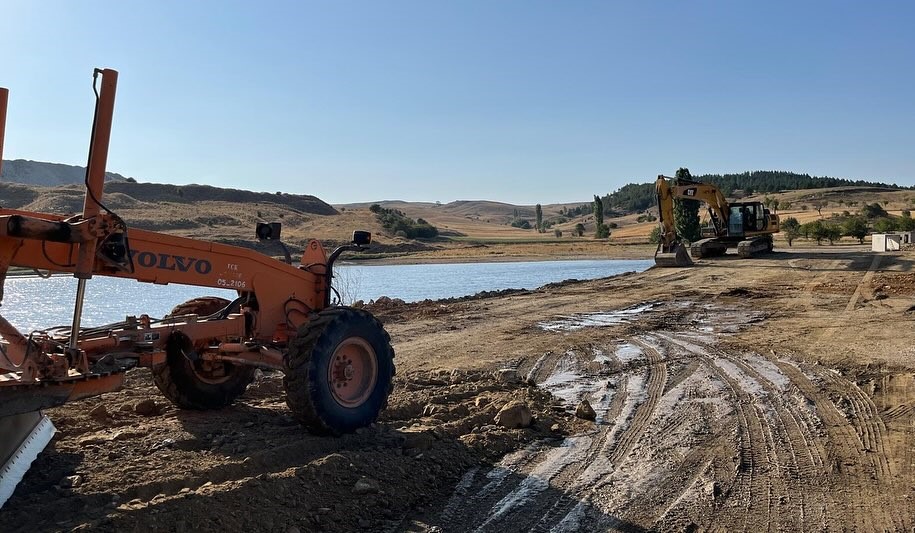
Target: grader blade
22,438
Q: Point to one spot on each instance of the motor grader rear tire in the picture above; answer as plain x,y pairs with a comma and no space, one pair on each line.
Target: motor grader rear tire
190,385
338,371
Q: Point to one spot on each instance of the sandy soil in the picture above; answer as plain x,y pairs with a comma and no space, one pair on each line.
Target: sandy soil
765,394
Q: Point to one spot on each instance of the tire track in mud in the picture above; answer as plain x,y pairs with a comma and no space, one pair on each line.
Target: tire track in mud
540,488
843,440
582,484
754,476
501,499
804,461
866,420
657,378
560,500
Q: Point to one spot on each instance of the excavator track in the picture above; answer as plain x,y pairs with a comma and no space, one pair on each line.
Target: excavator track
712,247
754,246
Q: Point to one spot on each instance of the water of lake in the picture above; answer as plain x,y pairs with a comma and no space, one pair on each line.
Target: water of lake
32,303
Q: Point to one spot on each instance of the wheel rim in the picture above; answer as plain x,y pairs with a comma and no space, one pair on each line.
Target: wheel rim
212,372
352,372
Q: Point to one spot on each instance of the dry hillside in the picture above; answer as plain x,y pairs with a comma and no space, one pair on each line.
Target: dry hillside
468,229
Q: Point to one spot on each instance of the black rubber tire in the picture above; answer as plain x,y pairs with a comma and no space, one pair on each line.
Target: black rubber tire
179,381
308,391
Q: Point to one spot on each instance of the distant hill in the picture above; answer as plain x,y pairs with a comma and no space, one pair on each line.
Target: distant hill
47,174
124,194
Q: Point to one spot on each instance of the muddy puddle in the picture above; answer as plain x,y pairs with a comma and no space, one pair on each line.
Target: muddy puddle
591,320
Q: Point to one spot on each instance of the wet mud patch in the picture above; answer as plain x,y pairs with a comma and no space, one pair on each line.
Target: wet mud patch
598,319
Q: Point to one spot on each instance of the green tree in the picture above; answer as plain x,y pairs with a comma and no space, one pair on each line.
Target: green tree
686,213
579,229
874,210
375,208
602,231
791,228
539,213
832,232
884,225
856,227
905,224
819,205
816,230
655,236
598,210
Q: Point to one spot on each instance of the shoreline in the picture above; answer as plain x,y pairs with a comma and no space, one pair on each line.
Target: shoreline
414,260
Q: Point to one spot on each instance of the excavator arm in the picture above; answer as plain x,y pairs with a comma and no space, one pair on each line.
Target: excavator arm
708,194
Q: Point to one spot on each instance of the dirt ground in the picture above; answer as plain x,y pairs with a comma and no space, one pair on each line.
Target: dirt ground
767,394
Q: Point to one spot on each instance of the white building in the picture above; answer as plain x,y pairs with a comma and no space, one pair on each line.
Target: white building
888,242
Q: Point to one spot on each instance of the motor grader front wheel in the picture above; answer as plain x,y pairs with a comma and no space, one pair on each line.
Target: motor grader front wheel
338,371
199,384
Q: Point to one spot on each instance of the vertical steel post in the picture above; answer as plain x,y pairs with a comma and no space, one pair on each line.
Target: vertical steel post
95,172
98,160
4,98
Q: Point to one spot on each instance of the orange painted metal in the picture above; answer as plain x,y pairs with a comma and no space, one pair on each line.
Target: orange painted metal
164,259
275,298
98,160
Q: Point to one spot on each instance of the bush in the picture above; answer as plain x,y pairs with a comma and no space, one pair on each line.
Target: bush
872,211
402,225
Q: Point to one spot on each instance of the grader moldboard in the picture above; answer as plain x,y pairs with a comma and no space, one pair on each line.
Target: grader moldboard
337,361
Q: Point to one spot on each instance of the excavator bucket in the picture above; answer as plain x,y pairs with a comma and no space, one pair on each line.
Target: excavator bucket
677,257
23,437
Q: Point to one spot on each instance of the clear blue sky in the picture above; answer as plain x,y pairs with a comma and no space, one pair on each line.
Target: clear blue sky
521,101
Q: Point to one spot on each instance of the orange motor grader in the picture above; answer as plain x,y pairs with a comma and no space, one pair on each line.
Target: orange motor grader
337,361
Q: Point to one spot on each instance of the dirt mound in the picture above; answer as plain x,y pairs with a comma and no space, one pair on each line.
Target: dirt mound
189,194
252,468
15,196
63,201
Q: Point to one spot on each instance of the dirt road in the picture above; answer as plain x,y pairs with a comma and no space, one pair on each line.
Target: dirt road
771,394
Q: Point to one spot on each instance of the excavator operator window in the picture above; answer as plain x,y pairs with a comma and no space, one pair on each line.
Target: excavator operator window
751,218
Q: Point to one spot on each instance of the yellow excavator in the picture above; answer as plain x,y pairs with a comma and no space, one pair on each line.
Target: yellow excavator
747,226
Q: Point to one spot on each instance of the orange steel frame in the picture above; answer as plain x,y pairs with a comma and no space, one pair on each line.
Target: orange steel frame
279,297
